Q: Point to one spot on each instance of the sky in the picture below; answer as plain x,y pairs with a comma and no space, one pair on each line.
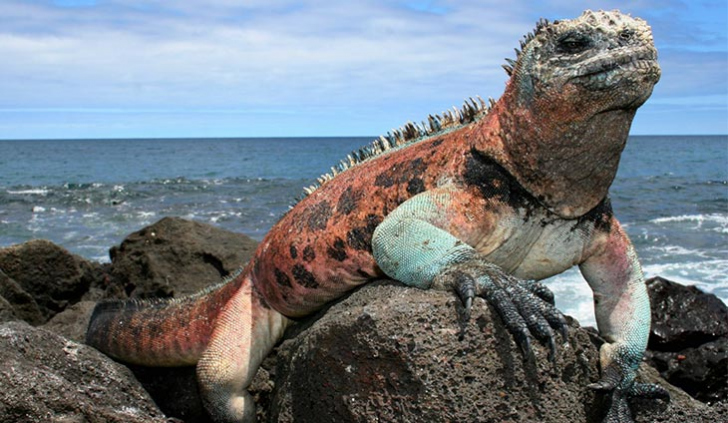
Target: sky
283,68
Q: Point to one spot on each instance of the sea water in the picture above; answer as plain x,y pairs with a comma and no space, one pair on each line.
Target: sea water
671,194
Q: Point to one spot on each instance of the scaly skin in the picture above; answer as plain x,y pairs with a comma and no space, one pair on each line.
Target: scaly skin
480,201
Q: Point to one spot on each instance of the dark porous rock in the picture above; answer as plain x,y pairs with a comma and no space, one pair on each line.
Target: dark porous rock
72,322
41,279
7,314
174,390
176,257
16,304
390,353
689,339
47,378
684,316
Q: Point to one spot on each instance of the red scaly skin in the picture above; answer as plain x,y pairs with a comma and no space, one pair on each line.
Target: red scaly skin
523,185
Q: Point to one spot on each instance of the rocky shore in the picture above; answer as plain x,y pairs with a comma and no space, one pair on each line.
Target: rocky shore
384,353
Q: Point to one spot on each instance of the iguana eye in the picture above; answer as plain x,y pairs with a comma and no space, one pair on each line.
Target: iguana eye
573,43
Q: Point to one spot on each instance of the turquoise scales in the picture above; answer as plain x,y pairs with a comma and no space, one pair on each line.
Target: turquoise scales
482,201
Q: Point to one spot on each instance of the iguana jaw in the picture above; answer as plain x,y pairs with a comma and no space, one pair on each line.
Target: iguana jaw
567,110
608,69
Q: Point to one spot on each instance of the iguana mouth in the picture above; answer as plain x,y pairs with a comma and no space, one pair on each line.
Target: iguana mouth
609,69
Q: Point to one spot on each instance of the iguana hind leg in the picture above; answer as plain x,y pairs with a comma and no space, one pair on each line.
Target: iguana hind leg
245,332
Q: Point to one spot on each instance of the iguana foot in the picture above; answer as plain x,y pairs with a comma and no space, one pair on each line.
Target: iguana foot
618,380
526,307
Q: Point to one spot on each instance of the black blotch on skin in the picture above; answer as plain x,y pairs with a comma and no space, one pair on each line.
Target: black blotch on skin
364,274
437,142
600,216
360,237
338,250
494,181
282,278
348,201
401,173
308,254
304,277
415,186
318,216
294,252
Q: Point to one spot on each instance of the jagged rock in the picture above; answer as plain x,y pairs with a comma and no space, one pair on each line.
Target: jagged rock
389,353
176,257
174,390
44,378
72,322
689,339
684,316
41,279
16,304
7,314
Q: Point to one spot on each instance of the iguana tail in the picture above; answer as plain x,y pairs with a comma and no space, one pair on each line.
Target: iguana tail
160,332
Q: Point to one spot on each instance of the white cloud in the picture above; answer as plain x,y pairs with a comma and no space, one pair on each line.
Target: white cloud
372,58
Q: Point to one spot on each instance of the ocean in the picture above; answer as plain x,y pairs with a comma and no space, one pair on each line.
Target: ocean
671,194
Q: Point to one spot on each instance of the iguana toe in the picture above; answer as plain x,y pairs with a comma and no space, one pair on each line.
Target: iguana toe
620,385
523,306
538,289
649,391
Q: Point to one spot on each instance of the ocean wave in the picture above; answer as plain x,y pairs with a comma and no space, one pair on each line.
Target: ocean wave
711,272
700,218
717,222
573,296
29,191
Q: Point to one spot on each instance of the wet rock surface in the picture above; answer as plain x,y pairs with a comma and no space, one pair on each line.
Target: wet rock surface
689,339
384,353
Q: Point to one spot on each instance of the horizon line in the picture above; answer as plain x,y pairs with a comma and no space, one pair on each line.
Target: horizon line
183,138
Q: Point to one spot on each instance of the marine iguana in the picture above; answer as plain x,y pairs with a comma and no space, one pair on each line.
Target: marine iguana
483,201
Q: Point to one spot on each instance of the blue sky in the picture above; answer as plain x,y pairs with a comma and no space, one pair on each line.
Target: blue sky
225,68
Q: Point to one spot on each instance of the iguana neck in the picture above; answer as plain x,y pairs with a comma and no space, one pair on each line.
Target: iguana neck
564,154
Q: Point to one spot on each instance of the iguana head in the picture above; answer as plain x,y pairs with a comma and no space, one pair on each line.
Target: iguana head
567,109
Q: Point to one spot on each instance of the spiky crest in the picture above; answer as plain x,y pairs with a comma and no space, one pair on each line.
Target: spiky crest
472,110
511,63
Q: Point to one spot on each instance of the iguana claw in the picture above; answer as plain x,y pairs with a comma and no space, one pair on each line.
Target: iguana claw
526,307
622,389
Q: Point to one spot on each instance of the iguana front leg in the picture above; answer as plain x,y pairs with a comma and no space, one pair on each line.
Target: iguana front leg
411,247
622,310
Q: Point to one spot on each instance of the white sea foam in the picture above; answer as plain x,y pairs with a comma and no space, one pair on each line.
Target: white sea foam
573,296
708,275
679,253
721,220
30,191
